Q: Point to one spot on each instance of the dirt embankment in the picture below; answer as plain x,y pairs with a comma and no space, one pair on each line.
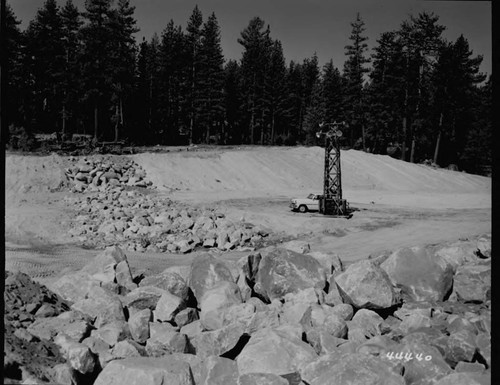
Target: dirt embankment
285,172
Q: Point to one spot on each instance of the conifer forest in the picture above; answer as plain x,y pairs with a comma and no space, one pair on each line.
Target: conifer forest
410,93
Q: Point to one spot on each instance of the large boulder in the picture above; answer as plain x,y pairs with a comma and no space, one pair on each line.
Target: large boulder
214,300
421,274
144,297
77,354
139,325
74,287
471,283
283,271
73,324
206,271
102,306
218,370
168,307
457,253
217,342
324,317
274,351
428,366
165,340
261,379
146,371
103,266
364,285
364,325
169,281
350,369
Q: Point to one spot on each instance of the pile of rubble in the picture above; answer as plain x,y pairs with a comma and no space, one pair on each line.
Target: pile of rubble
146,222
101,173
418,315
117,208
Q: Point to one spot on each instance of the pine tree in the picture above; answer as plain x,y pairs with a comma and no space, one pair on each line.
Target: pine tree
354,70
15,86
96,61
385,94
256,43
455,98
315,114
193,40
71,24
295,102
174,84
232,104
276,91
211,80
47,64
310,80
333,93
123,51
148,92
421,40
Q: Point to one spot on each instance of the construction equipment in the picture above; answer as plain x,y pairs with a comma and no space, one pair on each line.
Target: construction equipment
331,203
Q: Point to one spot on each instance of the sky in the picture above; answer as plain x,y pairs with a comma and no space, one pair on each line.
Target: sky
305,27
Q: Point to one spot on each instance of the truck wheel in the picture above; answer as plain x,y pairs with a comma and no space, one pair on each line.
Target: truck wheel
303,208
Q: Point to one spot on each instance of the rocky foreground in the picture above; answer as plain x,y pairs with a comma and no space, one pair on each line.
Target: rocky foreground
418,315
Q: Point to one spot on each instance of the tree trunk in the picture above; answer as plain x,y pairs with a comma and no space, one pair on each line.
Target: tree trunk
64,120
96,121
117,123
412,153
436,151
272,129
363,136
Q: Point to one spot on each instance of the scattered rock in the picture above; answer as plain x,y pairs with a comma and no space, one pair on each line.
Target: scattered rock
206,271
282,271
273,351
421,274
364,285
146,371
214,300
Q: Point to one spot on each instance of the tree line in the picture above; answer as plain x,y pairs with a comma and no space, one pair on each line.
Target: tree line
417,97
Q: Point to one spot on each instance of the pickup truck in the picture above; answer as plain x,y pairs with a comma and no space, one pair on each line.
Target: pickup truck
311,203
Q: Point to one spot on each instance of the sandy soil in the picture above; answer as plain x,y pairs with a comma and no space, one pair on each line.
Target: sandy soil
399,204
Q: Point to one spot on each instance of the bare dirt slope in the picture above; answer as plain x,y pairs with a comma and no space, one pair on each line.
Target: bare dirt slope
283,171
400,204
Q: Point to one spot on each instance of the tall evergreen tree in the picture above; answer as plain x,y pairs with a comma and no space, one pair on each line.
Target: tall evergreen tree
256,42
174,59
332,92
46,50
148,92
123,52
71,87
96,60
232,103
193,40
16,82
354,70
421,40
211,80
276,91
295,102
310,80
385,94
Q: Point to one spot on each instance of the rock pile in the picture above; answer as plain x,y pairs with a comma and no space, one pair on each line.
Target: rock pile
25,354
103,173
277,317
147,222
